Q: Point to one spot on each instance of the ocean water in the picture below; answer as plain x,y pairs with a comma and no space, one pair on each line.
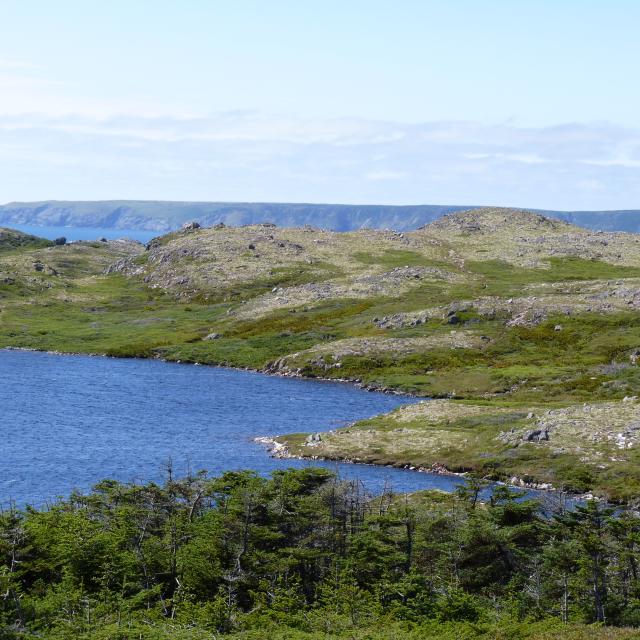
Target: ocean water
69,421
84,233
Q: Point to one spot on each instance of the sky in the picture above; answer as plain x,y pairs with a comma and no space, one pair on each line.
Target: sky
514,103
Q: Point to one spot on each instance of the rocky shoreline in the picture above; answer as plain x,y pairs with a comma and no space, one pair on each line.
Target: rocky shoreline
267,371
278,450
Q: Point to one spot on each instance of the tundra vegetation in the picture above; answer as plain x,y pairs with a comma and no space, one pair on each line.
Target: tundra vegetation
523,330
526,329
303,556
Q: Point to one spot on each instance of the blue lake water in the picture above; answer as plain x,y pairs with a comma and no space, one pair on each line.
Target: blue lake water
85,233
69,421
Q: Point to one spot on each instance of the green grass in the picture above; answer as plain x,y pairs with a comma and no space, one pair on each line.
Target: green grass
120,316
561,365
471,444
398,258
11,240
113,317
280,277
253,353
503,278
81,310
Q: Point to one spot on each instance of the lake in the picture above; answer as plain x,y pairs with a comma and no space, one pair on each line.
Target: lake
69,421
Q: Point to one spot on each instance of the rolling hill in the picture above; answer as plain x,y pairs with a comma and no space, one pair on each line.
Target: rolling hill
524,328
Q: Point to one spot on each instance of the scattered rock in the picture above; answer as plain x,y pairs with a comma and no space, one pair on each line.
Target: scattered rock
536,435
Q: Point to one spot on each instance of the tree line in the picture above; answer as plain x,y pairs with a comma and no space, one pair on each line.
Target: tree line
306,551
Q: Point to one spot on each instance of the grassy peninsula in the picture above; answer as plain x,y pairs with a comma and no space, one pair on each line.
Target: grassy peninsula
524,328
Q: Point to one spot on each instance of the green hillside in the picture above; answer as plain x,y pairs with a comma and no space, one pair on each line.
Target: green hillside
11,239
526,329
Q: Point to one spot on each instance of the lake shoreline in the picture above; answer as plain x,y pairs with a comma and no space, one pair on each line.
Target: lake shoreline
78,420
278,450
266,372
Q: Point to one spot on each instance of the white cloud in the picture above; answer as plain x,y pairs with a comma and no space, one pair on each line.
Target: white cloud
629,163
255,156
23,65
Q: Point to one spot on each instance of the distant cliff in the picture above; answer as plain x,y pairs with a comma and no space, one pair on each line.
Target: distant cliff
164,216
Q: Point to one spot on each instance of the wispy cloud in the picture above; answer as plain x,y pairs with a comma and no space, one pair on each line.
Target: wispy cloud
255,156
22,65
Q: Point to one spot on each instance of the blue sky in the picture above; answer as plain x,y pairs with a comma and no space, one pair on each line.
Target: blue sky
528,103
